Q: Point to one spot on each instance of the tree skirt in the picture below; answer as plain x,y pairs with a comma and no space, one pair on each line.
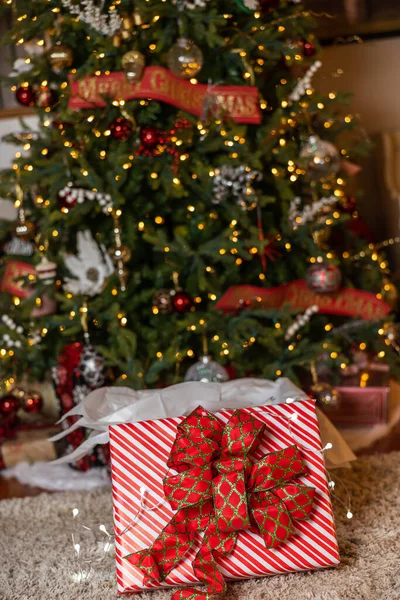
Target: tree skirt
37,557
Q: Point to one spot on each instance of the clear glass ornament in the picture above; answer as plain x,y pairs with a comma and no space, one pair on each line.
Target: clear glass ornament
133,64
185,58
324,278
207,370
326,395
320,158
162,301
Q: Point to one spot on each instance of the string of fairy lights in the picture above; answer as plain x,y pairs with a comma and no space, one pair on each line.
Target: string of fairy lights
92,544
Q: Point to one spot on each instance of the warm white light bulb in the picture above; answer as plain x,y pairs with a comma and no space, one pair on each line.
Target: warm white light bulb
328,446
75,512
349,514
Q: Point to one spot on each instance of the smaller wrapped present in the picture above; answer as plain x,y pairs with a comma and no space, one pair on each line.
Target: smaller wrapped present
365,372
360,407
209,497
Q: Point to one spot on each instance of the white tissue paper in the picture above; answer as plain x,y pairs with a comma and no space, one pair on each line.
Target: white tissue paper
112,405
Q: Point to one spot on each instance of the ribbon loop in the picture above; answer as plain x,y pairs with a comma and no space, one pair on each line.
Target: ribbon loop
275,469
242,434
189,487
219,490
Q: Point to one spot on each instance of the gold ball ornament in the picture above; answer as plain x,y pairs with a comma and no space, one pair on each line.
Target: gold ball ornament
185,59
133,63
24,230
120,253
60,56
390,293
325,394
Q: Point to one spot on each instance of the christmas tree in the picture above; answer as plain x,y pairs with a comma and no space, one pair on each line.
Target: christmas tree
183,209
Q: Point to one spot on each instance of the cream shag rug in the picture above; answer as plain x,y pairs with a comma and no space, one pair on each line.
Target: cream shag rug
36,555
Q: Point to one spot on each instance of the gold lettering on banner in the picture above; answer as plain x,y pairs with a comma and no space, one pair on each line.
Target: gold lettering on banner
159,82
240,103
251,105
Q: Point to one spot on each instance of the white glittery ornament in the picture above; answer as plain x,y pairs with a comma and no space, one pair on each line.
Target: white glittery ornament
91,367
235,181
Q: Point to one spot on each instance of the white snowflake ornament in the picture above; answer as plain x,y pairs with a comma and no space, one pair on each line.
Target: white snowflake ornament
90,267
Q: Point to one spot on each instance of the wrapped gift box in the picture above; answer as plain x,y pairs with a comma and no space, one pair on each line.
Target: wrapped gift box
371,374
360,407
139,455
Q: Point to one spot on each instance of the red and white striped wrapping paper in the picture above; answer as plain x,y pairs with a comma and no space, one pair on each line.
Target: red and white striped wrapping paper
139,452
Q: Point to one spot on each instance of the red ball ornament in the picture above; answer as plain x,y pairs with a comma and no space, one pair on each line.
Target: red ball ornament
324,278
32,402
182,302
9,406
149,137
309,49
266,6
348,204
121,129
46,97
25,95
65,202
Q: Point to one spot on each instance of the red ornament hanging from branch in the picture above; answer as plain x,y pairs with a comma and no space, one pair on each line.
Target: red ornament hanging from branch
154,141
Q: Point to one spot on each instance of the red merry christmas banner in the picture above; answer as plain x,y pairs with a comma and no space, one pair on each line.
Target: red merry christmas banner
347,302
239,102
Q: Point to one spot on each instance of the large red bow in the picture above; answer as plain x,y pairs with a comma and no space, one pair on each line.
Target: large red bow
218,490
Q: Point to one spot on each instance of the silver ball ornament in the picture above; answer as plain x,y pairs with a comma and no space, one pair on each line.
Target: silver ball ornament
207,370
